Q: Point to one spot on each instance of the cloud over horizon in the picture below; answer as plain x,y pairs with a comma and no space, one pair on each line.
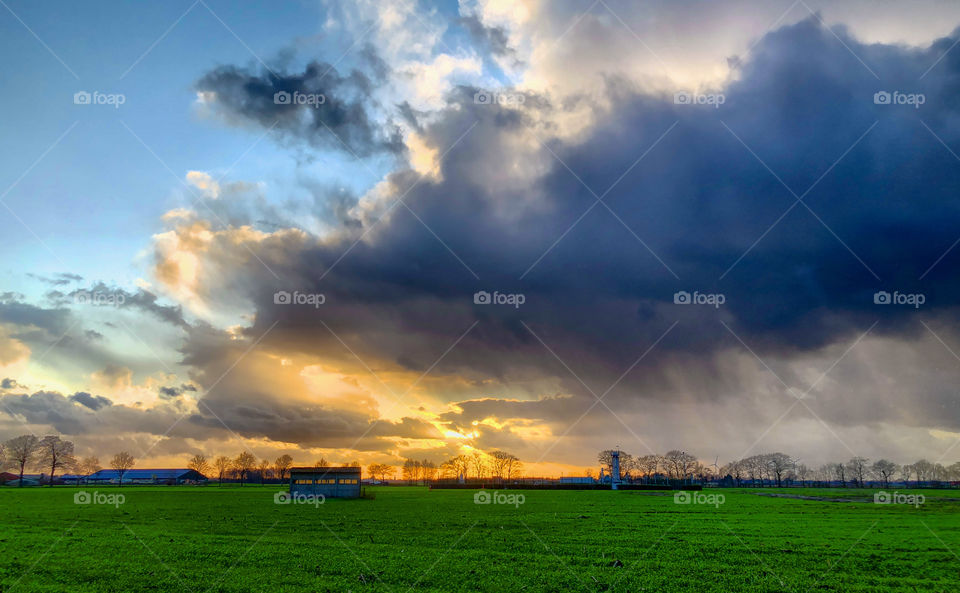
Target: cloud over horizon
798,196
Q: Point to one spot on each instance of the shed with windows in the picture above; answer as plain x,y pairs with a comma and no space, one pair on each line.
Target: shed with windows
331,482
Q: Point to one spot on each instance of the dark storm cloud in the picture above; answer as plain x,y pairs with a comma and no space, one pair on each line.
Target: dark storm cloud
494,39
8,383
307,425
336,110
141,299
35,320
173,392
61,279
94,402
795,281
288,422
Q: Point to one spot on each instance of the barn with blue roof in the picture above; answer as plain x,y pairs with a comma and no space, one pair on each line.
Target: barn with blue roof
147,476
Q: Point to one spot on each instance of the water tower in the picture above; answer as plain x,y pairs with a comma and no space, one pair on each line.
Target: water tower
614,469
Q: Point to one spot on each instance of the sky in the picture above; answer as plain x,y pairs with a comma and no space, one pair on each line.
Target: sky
379,230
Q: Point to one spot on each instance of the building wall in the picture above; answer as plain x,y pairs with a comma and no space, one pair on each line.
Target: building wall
329,485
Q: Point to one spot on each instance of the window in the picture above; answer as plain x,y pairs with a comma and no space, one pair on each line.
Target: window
347,481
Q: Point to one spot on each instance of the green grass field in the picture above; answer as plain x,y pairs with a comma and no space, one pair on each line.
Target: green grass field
238,539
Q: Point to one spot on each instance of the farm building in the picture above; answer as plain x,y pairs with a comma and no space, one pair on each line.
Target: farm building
331,482
577,480
146,476
27,481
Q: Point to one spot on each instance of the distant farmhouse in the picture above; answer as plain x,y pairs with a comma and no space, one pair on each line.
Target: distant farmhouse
147,476
8,479
330,482
577,480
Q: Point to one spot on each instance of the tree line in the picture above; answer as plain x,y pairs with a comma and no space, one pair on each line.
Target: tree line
53,455
478,465
673,464
777,468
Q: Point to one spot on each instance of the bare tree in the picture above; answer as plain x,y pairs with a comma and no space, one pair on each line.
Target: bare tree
429,469
840,472
647,465
223,465
88,466
938,472
501,462
380,471
906,470
479,463
199,464
778,464
857,468
460,465
410,470
22,450
680,463
825,473
121,463
884,470
922,470
55,453
803,472
322,462
447,470
263,469
282,465
954,471
514,468
244,464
